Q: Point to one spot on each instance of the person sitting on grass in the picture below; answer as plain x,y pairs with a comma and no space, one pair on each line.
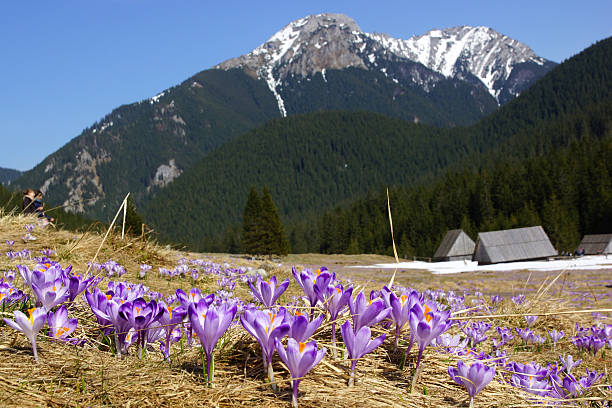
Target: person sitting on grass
38,208
28,201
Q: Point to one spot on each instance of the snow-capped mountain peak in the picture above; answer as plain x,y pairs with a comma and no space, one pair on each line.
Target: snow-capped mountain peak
315,43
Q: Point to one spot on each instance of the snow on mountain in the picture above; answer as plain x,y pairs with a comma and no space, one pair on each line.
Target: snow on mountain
334,41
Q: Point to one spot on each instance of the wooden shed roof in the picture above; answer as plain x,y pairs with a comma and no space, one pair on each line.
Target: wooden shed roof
455,243
596,244
513,245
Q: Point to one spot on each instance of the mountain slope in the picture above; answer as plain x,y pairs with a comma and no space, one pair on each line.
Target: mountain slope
315,161
318,63
8,175
144,146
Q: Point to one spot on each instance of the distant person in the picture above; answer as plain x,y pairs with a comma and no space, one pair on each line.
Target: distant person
27,206
38,207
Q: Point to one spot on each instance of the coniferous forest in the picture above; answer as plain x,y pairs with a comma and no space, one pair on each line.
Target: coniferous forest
517,167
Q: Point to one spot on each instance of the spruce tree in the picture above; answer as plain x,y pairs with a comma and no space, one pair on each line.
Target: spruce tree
273,235
133,220
251,224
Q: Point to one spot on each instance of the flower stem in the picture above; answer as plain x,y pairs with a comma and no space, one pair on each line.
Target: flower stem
117,350
472,402
271,375
210,369
294,398
351,381
334,350
34,351
397,334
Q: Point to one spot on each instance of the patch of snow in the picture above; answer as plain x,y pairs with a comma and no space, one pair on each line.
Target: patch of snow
156,97
440,268
323,74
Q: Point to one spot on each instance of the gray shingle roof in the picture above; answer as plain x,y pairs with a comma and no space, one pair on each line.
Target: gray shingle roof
596,244
456,243
513,245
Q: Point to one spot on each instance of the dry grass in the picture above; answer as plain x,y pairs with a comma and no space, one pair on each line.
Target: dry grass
92,376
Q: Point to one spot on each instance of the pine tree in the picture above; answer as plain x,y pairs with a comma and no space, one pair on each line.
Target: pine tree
251,224
273,235
133,220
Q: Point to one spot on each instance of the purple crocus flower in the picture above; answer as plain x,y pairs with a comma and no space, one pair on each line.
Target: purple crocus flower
267,292
530,377
358,344
473,377
186,300
51,294
426,324
210,324
30,326
169,319
400,308
530,320
77,284
194,296
365,312
525,334
139,315
266,326
476,332
60,327
10,242
308,280
299,358
300,328
143,270
335,299
452,344
569,363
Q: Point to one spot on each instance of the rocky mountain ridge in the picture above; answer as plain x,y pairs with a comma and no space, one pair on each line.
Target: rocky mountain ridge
317,43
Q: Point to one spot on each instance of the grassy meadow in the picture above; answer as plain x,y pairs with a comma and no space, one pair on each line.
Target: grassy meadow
91,375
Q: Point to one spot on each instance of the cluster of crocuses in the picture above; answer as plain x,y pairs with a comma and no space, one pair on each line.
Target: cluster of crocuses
51,286
131,314
594,339
10,296
110,268
23,254
553,381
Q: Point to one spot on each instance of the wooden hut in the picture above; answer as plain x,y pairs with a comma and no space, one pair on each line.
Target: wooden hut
596,244
519,244
455,246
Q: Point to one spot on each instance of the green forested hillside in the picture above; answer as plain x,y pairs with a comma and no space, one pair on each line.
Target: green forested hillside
8,175
123,151
318,161
568,191
309,162
449,103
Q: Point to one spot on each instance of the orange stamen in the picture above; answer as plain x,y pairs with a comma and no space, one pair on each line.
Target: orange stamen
30,311
108,297
62,331
301,347
428,315
403,298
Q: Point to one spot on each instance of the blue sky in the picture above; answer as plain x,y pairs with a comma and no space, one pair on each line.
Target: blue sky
66,64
